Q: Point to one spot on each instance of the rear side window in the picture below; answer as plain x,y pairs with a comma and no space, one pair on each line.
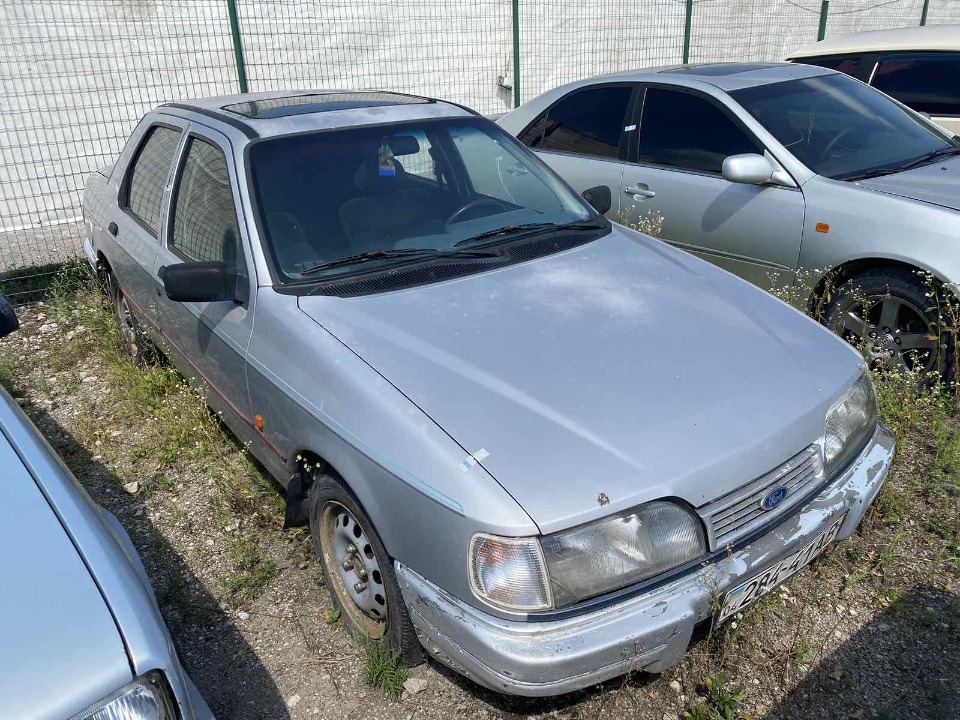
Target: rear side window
858,66
684,131
586,122
148,175
204,219
926,82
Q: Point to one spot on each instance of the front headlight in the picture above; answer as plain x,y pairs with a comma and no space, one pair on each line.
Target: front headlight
621,550
146,698
848,423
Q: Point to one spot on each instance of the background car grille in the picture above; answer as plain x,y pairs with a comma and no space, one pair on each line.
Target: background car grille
737,513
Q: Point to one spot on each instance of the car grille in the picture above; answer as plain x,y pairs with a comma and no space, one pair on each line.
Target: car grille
739,512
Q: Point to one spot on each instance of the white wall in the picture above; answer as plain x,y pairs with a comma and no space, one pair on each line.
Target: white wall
75,75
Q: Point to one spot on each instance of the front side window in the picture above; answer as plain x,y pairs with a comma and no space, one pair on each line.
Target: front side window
841,128
586,122
205,225
333,202
148,175
926,82
683,131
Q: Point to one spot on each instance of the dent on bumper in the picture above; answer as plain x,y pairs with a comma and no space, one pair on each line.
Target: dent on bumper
649,632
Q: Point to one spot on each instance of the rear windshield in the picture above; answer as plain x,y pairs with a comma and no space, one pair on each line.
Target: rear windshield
840,128
333,201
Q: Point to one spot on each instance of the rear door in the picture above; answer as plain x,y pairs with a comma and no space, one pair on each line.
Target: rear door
673,188
582,137
928,82
137,224
208,341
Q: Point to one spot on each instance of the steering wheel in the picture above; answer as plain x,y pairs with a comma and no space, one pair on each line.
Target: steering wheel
479,202
836,141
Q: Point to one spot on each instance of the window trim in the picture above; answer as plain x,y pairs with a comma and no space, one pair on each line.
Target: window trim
622,148
633,157
175,189
898,54
123,196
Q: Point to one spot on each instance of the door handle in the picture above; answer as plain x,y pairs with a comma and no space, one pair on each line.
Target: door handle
639,192
113,229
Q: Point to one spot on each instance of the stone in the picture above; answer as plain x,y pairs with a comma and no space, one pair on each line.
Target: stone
132,487
412,686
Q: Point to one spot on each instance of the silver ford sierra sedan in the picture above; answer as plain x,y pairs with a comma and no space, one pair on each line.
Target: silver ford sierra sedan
532,445
80,631
786,175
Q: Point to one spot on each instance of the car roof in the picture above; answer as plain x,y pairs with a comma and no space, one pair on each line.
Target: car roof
725,76
281,112
925,37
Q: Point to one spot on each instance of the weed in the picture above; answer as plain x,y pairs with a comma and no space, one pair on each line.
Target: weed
332,616
252,570
382,669
722,703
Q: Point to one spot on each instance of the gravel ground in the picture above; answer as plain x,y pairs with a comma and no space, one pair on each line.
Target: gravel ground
871,630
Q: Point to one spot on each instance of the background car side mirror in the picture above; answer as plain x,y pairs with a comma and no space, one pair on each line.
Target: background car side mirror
749,169
201,282
8,317
599,198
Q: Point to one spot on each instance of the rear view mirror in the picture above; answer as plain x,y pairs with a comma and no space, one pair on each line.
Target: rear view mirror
8,317
599,198
200,282
749,169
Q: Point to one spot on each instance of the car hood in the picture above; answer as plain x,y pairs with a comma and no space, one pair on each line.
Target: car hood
614,373
937,183
61,648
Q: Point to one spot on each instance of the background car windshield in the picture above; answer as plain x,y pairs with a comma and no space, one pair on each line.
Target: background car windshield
839,127
424,185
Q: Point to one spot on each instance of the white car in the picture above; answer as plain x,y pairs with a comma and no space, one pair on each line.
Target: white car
919,66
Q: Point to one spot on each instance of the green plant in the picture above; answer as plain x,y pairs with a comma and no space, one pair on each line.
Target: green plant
722,703
382,669
252,570
332,616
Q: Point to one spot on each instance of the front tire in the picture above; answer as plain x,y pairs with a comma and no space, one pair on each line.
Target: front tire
892,317
358,572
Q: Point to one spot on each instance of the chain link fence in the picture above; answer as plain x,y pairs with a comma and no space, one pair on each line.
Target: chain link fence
76,75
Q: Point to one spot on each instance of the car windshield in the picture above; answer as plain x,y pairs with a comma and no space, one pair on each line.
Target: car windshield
336,201
841,128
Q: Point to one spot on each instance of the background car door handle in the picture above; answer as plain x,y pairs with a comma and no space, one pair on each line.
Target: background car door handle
639,192
113,229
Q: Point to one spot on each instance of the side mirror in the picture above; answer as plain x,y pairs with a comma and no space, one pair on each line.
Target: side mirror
200,282
749,169
8,317
599,198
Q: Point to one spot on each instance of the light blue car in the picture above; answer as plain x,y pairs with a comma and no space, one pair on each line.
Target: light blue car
81,634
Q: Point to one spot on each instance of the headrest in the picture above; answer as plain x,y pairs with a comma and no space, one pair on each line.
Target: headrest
403,145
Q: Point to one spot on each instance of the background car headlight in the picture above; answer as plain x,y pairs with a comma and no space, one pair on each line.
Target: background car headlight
848,423
621,550
509,572
146,698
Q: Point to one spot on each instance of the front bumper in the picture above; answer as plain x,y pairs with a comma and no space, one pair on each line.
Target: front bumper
648,632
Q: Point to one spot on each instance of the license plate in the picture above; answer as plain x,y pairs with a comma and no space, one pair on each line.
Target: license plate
759,585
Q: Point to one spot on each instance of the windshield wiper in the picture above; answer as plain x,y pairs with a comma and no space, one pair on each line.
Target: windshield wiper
527,229
396,252
872,173
933,155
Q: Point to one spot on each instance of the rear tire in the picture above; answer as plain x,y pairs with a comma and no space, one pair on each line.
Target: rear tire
133,340
889,315
358,572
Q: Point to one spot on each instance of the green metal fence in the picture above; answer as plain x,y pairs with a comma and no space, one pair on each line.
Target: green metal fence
75,75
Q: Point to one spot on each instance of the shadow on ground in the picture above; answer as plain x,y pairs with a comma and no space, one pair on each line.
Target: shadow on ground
218,658
904,664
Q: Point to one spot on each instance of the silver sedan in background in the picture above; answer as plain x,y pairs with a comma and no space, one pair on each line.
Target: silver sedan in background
770,169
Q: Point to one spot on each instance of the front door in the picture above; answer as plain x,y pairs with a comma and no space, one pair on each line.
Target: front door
672,187
208,341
